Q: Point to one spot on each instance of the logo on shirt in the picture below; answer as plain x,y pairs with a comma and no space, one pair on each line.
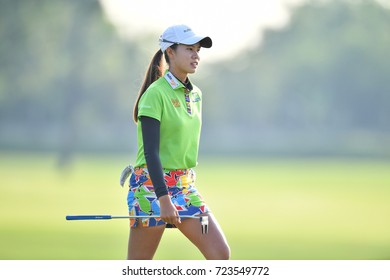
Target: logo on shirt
175,102
171,80
196,97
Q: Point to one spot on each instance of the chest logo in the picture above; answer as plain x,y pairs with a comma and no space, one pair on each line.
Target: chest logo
196,97
175,102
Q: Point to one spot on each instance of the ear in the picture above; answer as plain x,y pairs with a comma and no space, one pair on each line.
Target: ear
170,51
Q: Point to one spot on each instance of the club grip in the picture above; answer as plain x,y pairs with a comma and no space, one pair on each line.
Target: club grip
88,217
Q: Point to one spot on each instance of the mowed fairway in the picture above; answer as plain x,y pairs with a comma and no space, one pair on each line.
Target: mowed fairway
270,209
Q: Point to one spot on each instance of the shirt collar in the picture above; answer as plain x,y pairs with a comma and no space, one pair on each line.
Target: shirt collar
174,82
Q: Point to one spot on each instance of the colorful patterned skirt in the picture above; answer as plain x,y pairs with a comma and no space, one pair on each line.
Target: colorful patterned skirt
142,200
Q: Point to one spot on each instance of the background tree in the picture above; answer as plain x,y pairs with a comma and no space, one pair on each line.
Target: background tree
318,86
65,78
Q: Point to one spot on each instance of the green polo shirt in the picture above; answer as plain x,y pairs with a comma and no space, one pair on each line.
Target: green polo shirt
165,100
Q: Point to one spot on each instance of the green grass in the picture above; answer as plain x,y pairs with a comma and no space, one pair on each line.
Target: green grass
287,209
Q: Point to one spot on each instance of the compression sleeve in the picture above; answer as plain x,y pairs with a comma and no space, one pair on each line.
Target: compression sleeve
151,140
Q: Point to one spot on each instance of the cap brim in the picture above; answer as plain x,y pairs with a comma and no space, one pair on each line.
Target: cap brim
205,42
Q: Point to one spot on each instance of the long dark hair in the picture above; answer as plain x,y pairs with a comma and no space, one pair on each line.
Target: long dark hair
154,71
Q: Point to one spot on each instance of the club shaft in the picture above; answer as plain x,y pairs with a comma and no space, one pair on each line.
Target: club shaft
109,217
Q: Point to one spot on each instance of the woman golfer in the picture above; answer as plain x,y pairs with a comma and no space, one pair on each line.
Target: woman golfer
168,116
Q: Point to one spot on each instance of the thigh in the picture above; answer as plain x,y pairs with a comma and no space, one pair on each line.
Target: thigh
143,242
212,245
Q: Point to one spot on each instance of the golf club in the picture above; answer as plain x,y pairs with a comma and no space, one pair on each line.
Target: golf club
204,220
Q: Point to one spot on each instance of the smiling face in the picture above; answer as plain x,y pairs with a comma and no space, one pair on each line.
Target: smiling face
183,60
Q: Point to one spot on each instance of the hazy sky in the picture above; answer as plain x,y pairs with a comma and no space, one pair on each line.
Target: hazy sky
231,24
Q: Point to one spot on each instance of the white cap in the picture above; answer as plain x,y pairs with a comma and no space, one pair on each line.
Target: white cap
182,34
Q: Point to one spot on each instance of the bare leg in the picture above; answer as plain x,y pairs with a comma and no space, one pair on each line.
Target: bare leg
212,245
143,242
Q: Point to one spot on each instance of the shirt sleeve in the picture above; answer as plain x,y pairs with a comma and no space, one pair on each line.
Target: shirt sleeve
151,139
150,104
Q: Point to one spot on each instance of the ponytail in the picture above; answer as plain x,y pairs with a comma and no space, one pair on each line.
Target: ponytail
155,71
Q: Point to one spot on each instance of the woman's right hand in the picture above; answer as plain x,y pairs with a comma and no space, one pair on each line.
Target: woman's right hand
168,211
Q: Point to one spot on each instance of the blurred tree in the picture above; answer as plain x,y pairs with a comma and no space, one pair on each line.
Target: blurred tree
64,71
68,81
322,81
